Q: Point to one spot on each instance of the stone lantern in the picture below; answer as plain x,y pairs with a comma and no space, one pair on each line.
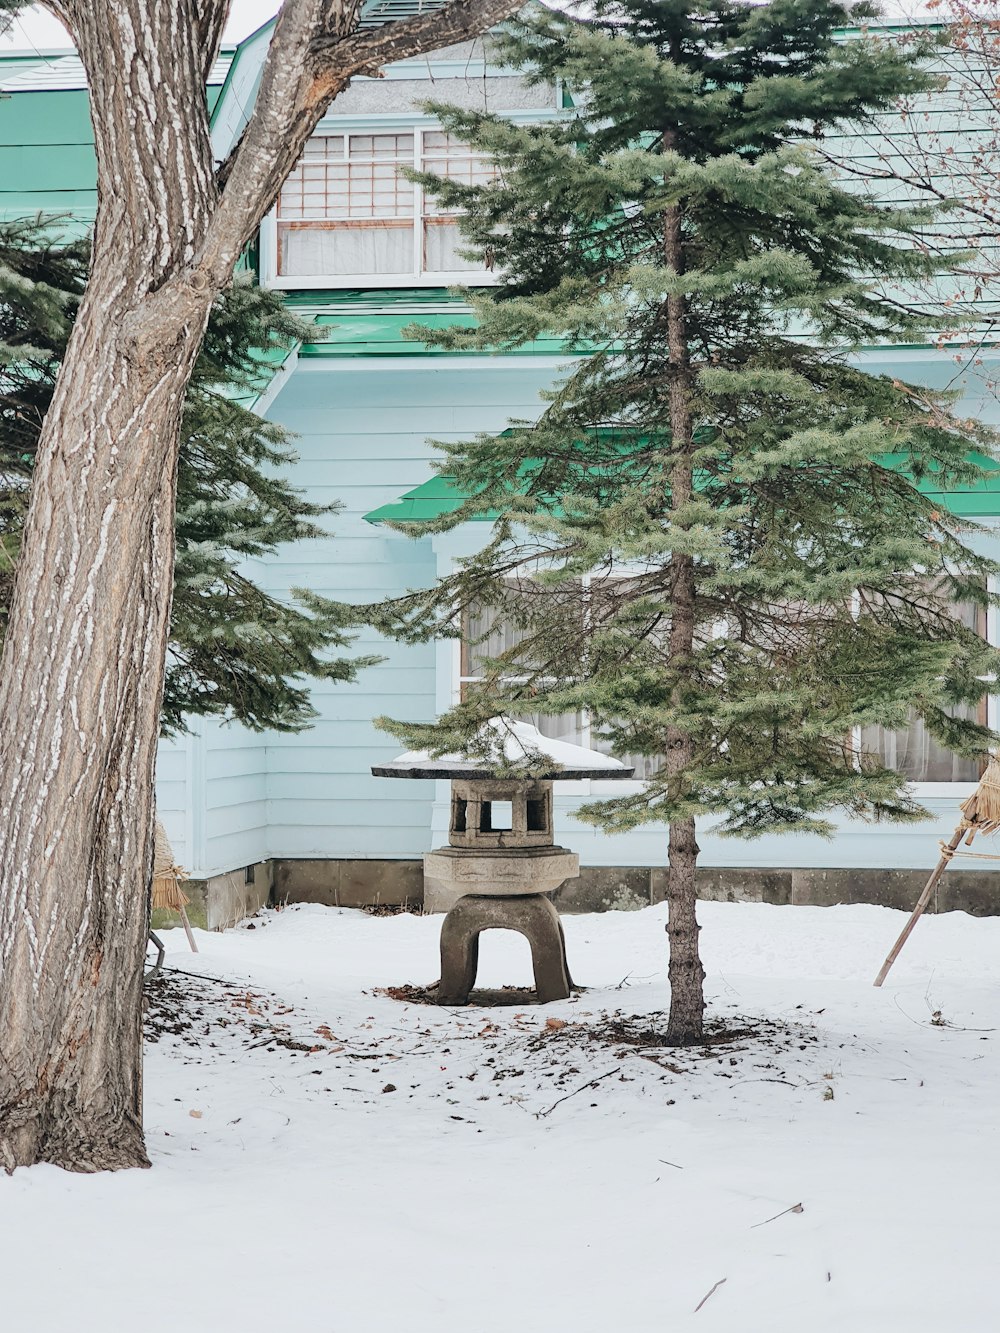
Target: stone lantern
502,863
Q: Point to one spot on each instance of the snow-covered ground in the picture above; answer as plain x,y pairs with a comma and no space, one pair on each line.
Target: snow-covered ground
329,1159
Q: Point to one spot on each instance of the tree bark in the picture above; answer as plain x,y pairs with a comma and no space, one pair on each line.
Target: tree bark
686,974
82,674
81,677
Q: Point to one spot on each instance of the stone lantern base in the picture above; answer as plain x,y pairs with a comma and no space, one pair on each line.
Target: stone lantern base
451,872
531,915
498,889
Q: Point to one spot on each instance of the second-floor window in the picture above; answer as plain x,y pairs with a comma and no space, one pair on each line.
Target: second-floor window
347,211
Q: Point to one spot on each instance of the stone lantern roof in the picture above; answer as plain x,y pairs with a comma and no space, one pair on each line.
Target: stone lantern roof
508,749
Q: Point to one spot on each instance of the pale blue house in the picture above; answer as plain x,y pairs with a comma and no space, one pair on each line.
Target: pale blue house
359,250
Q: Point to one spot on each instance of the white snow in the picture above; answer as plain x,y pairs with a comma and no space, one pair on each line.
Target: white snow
504,739
305,1198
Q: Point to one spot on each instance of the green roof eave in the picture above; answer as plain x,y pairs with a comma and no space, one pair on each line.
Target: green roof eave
368,324
440,495
981,499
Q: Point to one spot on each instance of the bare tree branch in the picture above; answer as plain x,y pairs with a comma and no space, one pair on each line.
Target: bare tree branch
210,20
374,47
60,9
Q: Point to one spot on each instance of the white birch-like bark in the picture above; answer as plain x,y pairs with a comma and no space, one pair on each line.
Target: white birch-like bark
82,670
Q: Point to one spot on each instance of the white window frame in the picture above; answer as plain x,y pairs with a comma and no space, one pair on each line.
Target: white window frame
269,240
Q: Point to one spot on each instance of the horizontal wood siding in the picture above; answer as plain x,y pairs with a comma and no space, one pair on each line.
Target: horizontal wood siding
174,795
234,798
364,428
313,795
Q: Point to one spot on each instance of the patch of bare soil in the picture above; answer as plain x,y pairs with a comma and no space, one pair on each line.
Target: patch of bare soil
198,1011
487,999
393,909
467,1057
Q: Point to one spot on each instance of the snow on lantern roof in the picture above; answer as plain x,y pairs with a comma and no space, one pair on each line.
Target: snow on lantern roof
504,745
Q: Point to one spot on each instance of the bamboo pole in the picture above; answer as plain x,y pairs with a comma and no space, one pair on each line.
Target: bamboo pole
187,929
947,850
980,814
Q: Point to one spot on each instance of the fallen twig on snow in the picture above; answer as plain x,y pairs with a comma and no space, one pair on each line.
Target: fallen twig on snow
540,1115
795,1208
709,1293
647,1055
203,976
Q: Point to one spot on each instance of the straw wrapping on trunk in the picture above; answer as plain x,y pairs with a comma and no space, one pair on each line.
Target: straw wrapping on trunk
167,876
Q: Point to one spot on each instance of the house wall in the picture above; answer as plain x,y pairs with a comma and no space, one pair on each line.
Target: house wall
230,798
364,425
854,844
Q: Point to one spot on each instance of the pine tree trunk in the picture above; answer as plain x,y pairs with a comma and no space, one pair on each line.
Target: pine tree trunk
82,670
687,997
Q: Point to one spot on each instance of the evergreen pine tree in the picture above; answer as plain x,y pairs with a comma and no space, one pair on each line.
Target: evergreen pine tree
713,539
236,651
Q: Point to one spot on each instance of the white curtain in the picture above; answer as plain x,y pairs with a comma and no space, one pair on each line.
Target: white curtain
442,241
341,251
915,753
912,750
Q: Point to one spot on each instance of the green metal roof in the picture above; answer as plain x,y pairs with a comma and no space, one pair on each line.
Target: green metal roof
47,162
371,323
440,495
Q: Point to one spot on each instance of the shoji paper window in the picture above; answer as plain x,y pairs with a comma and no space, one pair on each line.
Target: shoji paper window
346,210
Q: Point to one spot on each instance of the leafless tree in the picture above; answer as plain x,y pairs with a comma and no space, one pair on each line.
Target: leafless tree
943,148
82,667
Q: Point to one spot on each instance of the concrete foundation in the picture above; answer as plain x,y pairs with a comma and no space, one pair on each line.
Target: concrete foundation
349,883
600,888
222,900
226,899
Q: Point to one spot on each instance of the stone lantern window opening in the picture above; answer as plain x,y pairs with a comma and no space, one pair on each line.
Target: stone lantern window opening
498,813
497,817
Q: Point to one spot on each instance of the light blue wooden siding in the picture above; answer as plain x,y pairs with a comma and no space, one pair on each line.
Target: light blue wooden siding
853,845
234,800
364,426
211,793
173,796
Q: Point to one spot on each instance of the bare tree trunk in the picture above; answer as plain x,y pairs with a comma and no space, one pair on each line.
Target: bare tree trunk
84,652
687,997
82,669
76,779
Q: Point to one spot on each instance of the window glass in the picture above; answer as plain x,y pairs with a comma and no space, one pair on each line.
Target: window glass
487,633
909,750
347,209
912,750
917,754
